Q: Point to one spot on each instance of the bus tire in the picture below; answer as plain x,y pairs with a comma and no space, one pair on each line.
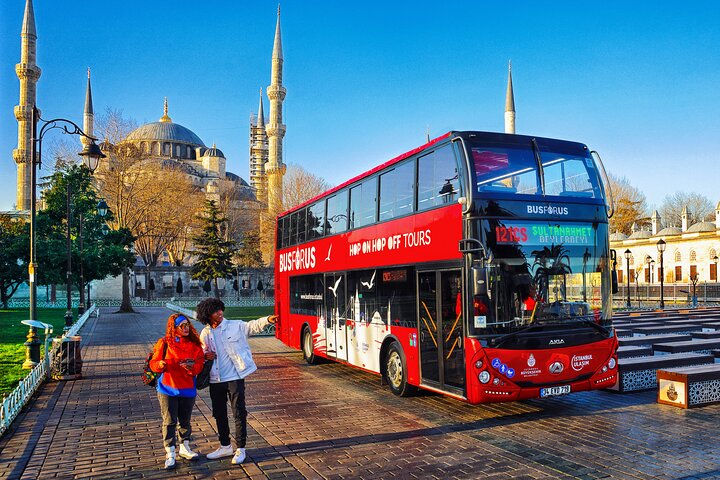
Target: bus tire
395,371
307,346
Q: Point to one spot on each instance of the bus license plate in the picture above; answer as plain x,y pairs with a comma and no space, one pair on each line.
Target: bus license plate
553,391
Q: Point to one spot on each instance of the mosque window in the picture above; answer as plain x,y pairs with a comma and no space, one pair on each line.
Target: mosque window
166,149
189,154
678,257
156,148
693,256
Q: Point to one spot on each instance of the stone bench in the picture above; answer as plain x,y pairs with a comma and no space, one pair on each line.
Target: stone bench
710,334
623,332
640,373
650,339
682,328
689,386
699,345
630,351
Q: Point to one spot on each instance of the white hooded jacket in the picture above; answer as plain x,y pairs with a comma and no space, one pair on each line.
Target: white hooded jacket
236,333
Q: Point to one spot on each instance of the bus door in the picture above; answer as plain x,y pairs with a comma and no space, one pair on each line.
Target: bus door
442,362
335,316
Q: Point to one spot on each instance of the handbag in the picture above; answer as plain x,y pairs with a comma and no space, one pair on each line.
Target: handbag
149,377
202,380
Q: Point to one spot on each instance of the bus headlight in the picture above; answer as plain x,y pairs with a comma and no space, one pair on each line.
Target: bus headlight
612,363
484,376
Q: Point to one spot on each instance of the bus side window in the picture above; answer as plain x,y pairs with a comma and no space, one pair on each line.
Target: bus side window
315,220
302,216
363,203
337,218
397,191
438,179
279,234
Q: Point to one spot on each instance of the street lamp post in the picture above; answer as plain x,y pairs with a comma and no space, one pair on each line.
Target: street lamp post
652,268
628,254
661,249
91,151
715,259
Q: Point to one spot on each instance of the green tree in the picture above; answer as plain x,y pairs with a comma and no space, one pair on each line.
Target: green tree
14,256
249,254
101,255
214,253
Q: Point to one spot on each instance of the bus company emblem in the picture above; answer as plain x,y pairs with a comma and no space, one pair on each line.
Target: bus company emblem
547,210
579,362
556,368
556,341
531,360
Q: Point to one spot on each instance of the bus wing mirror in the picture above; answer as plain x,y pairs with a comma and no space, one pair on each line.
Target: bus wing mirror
613,273
479,279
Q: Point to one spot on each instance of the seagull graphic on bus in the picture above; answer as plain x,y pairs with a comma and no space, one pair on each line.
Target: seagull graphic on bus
354,333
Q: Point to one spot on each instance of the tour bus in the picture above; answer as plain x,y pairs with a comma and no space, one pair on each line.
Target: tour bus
477,265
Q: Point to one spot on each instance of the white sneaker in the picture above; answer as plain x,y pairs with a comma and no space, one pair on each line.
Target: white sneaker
223,451
186,453
169,458
239,456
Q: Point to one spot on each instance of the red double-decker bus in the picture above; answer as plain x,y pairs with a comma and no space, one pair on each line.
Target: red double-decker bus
477,265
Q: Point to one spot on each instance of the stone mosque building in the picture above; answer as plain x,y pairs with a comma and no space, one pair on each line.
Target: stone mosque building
173,144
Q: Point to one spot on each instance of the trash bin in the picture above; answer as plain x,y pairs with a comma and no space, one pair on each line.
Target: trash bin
68,362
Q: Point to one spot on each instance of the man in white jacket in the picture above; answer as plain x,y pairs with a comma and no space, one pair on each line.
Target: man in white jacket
226,342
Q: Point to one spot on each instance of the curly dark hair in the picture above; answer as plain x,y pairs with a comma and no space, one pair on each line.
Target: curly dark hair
206,308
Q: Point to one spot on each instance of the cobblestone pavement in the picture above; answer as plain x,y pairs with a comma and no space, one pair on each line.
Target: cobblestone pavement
331,421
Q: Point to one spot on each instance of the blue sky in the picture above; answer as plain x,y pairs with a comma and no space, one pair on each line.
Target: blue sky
637,81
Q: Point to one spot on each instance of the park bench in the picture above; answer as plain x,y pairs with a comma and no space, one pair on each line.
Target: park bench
682,328
648,340
689,386
699,345
623,332
634,351
640,373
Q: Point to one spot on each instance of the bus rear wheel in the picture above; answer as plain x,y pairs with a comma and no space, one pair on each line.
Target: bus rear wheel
307,347
395,371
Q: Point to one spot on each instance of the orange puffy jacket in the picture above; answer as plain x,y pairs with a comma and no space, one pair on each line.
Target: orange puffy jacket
175,380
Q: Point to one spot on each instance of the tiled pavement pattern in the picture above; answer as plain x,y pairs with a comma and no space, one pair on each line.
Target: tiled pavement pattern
330,421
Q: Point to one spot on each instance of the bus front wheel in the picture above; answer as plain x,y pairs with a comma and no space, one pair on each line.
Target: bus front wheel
307,346
396,371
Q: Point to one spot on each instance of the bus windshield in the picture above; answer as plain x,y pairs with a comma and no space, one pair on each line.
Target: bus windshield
542,272
567,170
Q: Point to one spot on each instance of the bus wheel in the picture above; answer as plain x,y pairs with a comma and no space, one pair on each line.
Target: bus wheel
396,371
307,346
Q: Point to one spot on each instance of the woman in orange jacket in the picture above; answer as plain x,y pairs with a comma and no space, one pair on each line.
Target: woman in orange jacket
179,356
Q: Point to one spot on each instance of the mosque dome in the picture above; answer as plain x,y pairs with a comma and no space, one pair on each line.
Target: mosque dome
668,232
702,227
213,152
640,234
165,130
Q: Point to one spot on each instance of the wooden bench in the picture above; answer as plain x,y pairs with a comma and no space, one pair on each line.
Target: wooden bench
640,373
630,351
699,345
682,328
650,339
689,386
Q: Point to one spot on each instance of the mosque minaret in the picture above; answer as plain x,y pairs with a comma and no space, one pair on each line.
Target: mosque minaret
88,115
259,154
28,73
509,104
275,168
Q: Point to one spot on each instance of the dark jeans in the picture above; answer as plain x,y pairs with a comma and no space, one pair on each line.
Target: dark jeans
175,410
220,393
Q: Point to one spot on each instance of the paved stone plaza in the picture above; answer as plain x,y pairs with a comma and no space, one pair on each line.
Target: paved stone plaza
330,421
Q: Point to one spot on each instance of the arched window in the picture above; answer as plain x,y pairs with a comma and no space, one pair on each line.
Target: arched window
189,155
156,148
693,256
678,257
166,149
712,255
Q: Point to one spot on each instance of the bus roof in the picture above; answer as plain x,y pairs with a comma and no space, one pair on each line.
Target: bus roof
491,136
